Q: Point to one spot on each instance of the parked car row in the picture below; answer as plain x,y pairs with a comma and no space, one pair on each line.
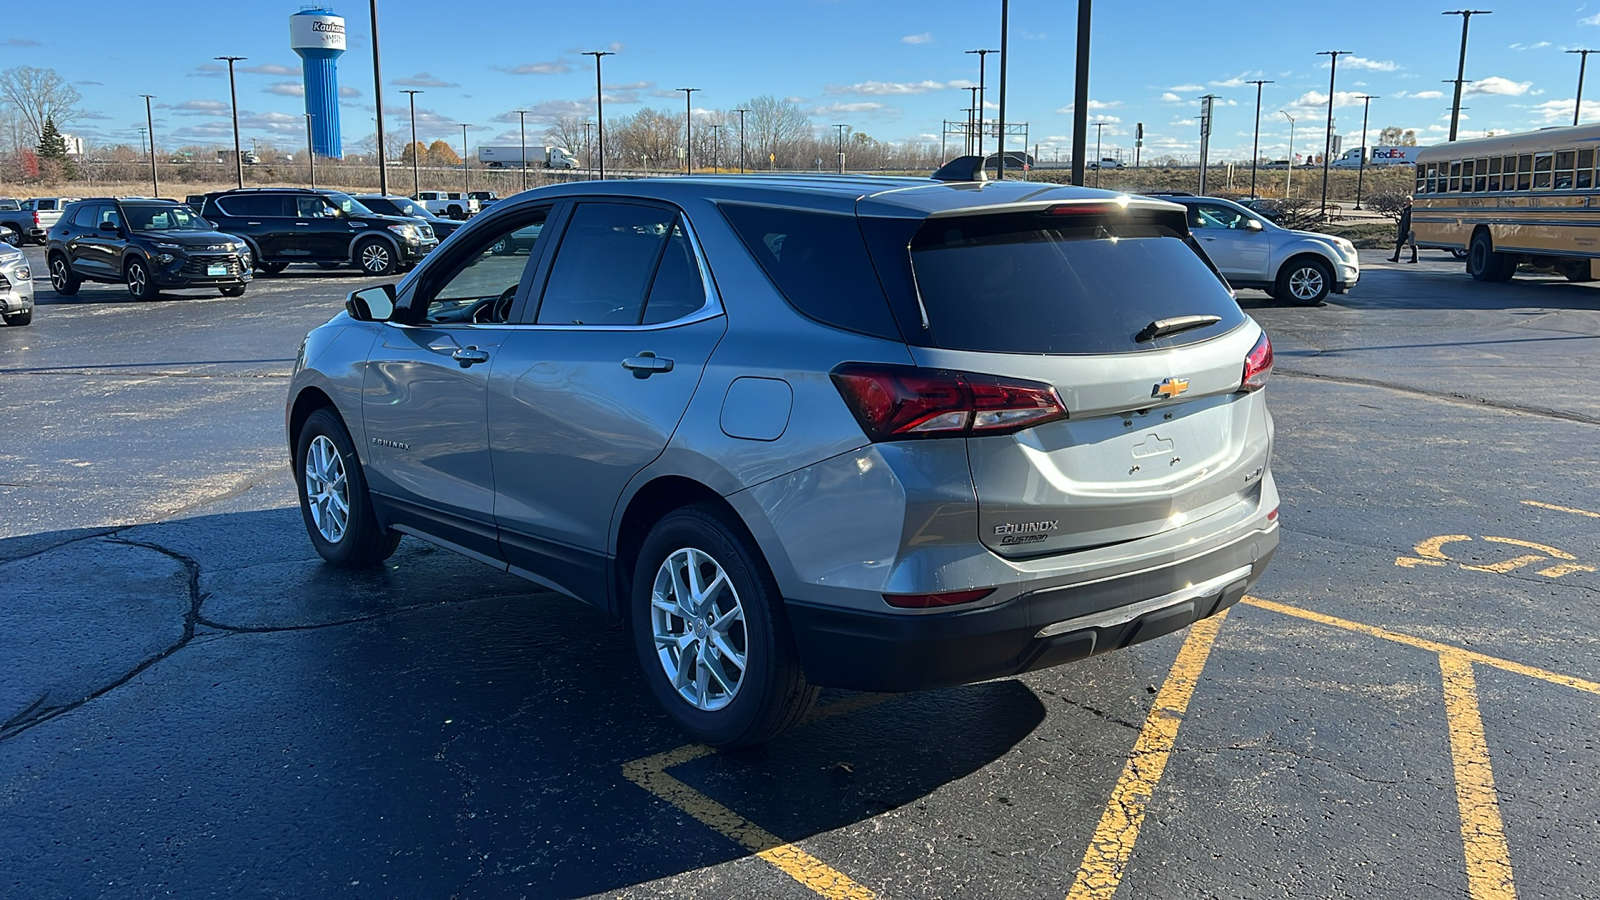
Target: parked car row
30,220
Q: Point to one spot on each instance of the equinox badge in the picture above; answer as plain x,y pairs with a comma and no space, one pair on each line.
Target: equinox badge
1170,388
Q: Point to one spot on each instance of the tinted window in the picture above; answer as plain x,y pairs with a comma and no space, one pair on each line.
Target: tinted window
819,262
382,207
245,205
312,208
677,290
85,215
607,257
1215,216
1012,284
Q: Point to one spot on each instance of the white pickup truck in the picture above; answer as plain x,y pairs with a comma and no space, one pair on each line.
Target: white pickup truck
450,204
32,219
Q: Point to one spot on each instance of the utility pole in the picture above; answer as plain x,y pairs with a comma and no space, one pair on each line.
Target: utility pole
600,107
1461,67
1207,104
1361,173
311,155
1098,127
979,103
1138,142
233,95
466,174
841,146
972,120
716,147
741,113
1000,127
688,128
377,94
1080,95
522,135
149,120
1255,142
416,178
1583,62
588,147
1327,151
1288,178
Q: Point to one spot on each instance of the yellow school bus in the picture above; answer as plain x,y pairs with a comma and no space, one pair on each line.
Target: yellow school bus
1512,199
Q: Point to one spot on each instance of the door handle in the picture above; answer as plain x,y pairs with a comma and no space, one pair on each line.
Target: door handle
469,355
646,364
252,223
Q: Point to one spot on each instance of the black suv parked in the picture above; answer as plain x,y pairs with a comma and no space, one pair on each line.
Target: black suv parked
288,225
407,208
145,244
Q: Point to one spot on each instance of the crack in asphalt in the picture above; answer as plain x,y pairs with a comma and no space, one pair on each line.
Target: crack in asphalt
1267,748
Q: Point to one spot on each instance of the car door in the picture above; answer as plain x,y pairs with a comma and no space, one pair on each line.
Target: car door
590,391
1238,250
424,390
78,235
320,232
263,218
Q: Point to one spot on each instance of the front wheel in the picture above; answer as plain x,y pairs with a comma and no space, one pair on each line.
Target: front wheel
1304,281
62,279
376,257
12,238
334,502
233,290
21,318
1484,264
711,634
140,285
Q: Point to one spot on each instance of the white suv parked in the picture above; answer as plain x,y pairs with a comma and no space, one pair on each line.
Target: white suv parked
1291,266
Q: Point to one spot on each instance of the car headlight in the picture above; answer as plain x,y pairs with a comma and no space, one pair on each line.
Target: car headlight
163,245
409,232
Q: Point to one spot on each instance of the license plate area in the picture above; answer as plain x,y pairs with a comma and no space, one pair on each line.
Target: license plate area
216,270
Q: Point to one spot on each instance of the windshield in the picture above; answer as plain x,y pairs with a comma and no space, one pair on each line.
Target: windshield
163,218
347,204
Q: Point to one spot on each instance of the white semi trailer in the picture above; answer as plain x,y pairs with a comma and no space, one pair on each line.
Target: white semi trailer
545,157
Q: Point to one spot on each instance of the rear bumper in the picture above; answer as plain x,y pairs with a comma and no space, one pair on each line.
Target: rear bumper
873,651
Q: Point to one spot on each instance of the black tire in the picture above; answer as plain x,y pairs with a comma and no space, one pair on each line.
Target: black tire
455,212
272,268
1304,281
22,318
233,290
136,275
63,280
362,542
1577,271
772,695
329,265
1484,264
500,247
376,257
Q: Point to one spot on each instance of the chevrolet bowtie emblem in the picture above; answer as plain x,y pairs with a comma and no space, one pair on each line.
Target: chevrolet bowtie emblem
1170,388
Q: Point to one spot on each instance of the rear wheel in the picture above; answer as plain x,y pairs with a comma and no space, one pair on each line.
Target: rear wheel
334,502
1577,271
272,268
711,635
1484,264
1305,281
21,318
141,286
62,279
233,290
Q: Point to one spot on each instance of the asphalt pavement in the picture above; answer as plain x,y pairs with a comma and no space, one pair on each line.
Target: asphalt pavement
192,705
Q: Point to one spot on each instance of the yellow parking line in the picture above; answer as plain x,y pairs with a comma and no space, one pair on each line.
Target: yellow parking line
1483,834
1425,644
1565,509
1107,858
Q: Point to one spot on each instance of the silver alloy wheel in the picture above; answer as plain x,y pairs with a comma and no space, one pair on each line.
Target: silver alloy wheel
326,488
136,280
1305,283
58,274
375,257
699,628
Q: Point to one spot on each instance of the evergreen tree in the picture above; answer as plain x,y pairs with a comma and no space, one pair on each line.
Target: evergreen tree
53,147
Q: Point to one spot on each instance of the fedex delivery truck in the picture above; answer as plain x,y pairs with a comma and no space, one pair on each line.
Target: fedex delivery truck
1378,156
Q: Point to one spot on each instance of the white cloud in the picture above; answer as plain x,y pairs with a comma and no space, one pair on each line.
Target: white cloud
1375,65
1538,46
890,88
1420,95
1188,88
1170,97
923,38
1559,112
423,80
1236,81
1093,105
837,109
1109,120
269,69
553,67
1590,20
1494,84
1315,99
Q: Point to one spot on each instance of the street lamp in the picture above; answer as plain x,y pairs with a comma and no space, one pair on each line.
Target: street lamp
233,95
311,155
716,146
1327,151
522,132
1080,95
600,107
979,104
149,120
1000,127
1255,142
1461,67
466,174
416,178
972,117
741,113
1288,179
1098,127
1583,62
377,94
587,147
688,128
841,146
1361,173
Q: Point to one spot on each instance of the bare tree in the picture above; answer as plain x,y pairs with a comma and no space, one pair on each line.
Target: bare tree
1394,136
37,94
650,138
566,131
1389,203
778,132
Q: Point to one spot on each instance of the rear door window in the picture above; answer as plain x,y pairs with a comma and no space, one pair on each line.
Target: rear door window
607,258
1024,284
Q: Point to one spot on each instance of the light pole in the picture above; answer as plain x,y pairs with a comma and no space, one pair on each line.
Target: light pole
1000,127
1461,67
1288,178
233,95
972,119
1327,151
522,135
416,177
979,103
1207,110
716,146
149,120
311,155
688,128
377,95
1098,127
1583,62
841,146
600,108
466,173
588,147
741,113
1361,173
1255,142
1080,95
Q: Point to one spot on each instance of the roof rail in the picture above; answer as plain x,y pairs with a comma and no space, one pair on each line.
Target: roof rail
962,168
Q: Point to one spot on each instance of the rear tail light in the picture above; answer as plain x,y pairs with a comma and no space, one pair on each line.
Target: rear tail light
904,402
36,219
934,601
1257,366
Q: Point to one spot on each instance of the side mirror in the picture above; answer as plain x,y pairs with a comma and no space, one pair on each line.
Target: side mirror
1253,225
109,226
373,304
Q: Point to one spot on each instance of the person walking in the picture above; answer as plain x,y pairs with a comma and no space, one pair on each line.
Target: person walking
1404,234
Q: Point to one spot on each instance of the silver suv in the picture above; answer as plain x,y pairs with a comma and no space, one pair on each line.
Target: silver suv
1252,252
881,434
16,287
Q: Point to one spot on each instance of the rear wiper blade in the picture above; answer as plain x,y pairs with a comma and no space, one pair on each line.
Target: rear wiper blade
1164,327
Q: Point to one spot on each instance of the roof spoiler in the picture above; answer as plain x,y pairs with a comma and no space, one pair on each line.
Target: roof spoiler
962,168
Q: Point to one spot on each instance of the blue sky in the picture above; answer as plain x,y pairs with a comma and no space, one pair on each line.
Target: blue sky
891,69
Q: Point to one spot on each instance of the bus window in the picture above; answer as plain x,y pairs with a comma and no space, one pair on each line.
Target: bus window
1585,177
1466,176
1480,176
1433,178
1524,172
1494,174
1541,171
1455,176
1564,164
1422,180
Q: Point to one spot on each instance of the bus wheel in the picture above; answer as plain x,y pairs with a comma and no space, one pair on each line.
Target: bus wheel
1484,264
1577,271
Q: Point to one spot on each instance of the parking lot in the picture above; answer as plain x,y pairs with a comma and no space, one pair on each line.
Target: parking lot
191,704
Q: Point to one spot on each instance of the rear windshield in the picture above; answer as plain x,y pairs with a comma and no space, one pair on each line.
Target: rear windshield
1025,284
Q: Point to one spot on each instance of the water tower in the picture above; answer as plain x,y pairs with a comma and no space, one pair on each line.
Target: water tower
318,36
